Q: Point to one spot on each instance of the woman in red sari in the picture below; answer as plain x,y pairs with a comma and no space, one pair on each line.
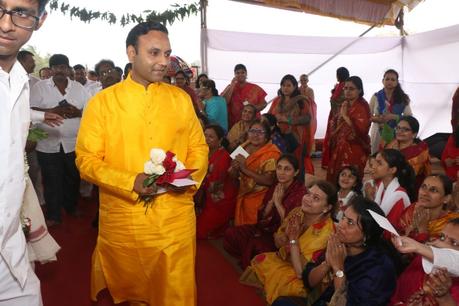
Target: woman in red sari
337,98
349,142
240,92
416,151
450,156
256,173
296,115
218,190
246,241
427,217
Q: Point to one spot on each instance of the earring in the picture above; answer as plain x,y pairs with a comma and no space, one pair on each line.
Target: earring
364,243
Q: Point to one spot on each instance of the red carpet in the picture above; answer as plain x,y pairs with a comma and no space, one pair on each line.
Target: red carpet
66,282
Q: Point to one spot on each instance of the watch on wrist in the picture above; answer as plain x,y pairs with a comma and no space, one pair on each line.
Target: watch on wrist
339,273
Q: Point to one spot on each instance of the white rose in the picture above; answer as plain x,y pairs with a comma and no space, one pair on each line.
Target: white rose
148,167
158,169
179,166
157,156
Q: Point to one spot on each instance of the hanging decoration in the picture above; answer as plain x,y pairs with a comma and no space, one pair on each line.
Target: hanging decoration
177,12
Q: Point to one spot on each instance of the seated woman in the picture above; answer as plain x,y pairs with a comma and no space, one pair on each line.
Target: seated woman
304,232
296,118
386,107
369,186
418,285
256,173
349,184
276,135
237,135
395,189
427,217
358,267
214,106
450,156
416,151
246,241
218,190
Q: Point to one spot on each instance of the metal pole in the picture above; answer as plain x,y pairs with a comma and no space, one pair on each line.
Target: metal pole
204,39
342,50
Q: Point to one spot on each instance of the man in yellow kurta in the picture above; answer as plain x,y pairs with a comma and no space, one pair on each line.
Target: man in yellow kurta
146,258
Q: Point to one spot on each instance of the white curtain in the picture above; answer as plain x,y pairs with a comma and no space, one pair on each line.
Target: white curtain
428,65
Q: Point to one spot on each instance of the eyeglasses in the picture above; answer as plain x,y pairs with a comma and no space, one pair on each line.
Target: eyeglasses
402,129
104,73
257,131
179,78
20,19
446,238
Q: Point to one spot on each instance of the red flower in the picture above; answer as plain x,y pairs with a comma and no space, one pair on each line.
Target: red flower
168,163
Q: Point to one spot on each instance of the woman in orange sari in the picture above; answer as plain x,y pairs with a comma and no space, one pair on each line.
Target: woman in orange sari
336,99
295,115
256,173
427,217
349,141
416,151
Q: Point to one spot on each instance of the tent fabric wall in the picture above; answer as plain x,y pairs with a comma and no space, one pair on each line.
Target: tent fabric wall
427,63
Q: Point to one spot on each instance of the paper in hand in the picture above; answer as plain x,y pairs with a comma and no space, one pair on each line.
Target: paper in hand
239,150
383,222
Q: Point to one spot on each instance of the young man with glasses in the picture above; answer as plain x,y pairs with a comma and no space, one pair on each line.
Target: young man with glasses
18,19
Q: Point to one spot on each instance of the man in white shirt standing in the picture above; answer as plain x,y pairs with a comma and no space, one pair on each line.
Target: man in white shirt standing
18,19
92,87
56,153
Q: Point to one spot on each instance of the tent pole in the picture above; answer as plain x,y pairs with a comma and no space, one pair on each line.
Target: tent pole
342,50
204,39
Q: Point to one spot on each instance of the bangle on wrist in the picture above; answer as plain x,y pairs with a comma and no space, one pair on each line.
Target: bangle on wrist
289,120
293,242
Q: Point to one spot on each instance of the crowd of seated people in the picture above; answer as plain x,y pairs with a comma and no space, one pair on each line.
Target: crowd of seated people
320,245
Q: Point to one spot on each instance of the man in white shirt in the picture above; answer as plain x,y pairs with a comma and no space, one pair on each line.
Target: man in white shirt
28,62
92,87
56,153
19,285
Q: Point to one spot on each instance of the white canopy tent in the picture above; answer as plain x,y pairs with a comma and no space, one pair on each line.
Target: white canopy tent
426,63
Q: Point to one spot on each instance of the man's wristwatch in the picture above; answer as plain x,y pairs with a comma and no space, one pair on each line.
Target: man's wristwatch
339,274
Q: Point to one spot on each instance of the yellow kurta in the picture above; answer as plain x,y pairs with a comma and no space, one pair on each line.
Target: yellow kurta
141,257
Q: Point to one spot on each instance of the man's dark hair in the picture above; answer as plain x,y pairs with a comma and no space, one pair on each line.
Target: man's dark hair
142,29
92,73
127,68
44,68
78,67
23,54
120,70
41,6
58,59
104,62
